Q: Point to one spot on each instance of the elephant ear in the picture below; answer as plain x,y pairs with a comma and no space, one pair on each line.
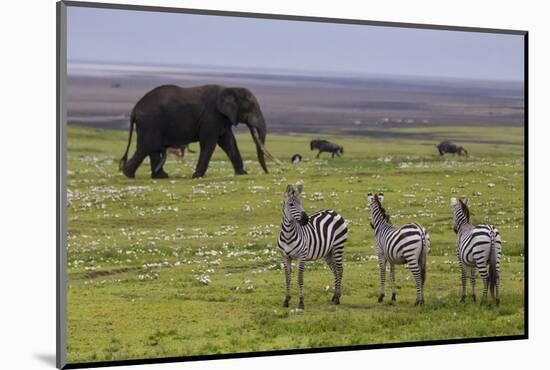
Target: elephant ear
227,105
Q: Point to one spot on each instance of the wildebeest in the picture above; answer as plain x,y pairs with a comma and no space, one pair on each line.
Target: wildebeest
296,158
326,146
448,146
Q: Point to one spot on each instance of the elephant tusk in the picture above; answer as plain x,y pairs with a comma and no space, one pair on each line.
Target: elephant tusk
264,150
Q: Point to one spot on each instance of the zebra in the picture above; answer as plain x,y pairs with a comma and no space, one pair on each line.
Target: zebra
398,245
326,146
477,246
307,238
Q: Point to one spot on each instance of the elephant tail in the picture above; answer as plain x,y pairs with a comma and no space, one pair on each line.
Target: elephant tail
124,158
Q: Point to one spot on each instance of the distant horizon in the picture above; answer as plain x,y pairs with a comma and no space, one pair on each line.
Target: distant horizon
290,71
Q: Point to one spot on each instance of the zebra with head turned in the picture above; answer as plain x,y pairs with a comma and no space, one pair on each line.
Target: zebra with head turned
307,238
398,245
477,246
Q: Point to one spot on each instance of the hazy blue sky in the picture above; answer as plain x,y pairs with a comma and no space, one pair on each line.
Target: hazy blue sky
137,37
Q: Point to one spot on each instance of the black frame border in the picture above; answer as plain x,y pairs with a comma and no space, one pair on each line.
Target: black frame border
61,37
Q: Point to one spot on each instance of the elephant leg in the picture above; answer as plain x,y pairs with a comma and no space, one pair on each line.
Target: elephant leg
229,145
132,165
157,161
207,147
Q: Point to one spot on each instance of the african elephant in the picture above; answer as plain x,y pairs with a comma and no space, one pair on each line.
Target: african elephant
171,116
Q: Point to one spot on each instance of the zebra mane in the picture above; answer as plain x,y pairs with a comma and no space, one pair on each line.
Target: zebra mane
382,210
465,210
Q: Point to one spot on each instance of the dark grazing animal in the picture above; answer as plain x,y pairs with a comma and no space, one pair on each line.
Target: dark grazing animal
399,245
326,146
450,147
170,115
477,246
296,158
307,238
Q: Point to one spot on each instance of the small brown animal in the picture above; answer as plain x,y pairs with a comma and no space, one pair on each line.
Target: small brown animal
178,151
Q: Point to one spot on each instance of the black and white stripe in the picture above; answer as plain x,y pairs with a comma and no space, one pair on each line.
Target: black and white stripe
478,247
306,238
398,245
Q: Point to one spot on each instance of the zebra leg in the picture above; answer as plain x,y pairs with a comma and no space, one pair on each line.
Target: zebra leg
288,273
338,283
482,267
382,266
473,282
497,276
332,154
301,266
463,280
318,154
392,280
332,264
339,268
417,274
485,288
497,293
337,256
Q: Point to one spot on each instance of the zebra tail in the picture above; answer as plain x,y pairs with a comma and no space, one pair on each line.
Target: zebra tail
492,264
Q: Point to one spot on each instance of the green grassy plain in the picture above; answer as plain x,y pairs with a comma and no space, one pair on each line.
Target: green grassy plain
185,266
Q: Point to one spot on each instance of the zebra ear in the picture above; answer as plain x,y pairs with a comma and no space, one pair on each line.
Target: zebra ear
370,198
289,189
381,197
299,188
453,201
465,200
